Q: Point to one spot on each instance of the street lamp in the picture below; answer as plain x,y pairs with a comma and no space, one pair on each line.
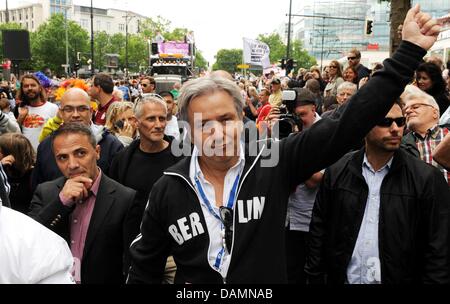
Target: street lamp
92,40
127,20
67,44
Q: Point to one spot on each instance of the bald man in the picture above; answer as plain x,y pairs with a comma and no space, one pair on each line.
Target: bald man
74,107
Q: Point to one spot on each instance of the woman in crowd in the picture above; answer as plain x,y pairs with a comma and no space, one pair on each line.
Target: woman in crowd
17,157
351,75
429,79
335,78
120,121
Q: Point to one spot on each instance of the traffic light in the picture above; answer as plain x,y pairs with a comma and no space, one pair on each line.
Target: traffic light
368,27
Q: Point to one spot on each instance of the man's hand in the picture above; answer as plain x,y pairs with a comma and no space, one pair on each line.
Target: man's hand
76,189
8,160
419,28
23,112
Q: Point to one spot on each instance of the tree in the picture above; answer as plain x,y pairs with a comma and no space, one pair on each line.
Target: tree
149,27
200,61
137,52
276,45
301,56
399,8
278,50
228,60
102,47
48,43
177,34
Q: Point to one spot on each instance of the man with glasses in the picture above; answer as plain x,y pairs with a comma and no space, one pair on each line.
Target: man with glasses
185,215
422,118
381,216
74,107
148,85
354,58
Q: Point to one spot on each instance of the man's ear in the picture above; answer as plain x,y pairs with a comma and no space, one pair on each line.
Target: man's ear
97,151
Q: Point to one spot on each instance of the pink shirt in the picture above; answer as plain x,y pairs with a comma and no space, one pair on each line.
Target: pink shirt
79,224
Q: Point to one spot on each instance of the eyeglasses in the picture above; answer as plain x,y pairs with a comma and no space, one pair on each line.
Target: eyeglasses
351,58
416,106
146,96
387,122
226,215
79,109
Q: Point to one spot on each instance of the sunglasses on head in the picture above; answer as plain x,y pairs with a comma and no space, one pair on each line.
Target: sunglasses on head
226,215
387,122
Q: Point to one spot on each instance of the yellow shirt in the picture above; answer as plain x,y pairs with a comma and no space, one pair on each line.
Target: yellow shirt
275,99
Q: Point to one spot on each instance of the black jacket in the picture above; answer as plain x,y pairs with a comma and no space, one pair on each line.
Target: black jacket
260,211
413,221
110,229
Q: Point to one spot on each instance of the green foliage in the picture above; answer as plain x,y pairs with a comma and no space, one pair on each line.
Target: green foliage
278,50
276,45
200,61
48,43
228,60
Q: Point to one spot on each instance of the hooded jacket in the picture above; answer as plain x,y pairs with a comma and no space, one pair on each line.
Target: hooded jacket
173,221
46,168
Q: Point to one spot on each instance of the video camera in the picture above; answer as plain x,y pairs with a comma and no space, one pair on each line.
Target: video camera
289,122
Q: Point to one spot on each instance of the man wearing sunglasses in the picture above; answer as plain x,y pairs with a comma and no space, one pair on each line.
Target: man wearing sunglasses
354,60
148,85
381,215
186,215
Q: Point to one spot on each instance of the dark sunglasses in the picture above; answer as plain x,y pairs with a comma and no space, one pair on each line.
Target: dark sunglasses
144,85
387,122
351,58
226,215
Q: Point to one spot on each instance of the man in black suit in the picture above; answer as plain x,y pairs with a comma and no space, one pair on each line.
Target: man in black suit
93,213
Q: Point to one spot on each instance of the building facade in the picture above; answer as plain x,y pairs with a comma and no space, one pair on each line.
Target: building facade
111,21
328,38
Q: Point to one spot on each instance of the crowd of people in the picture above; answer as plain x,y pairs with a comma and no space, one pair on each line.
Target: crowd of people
110,181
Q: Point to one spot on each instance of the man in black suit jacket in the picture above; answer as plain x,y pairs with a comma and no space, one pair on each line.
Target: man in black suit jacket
93,213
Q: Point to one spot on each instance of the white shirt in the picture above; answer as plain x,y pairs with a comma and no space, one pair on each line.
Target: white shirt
364,266
213,224
172,128
35,121
30,253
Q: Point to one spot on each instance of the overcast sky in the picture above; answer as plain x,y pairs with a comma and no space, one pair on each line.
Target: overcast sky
217,24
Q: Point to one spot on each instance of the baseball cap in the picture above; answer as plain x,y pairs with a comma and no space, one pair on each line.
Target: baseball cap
304,97
276,81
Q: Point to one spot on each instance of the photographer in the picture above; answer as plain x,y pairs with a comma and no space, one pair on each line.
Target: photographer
301,201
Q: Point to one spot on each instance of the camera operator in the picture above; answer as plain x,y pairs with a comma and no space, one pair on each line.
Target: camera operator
298,112
301,201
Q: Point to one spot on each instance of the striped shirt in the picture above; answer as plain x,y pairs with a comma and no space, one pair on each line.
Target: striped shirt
427,144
